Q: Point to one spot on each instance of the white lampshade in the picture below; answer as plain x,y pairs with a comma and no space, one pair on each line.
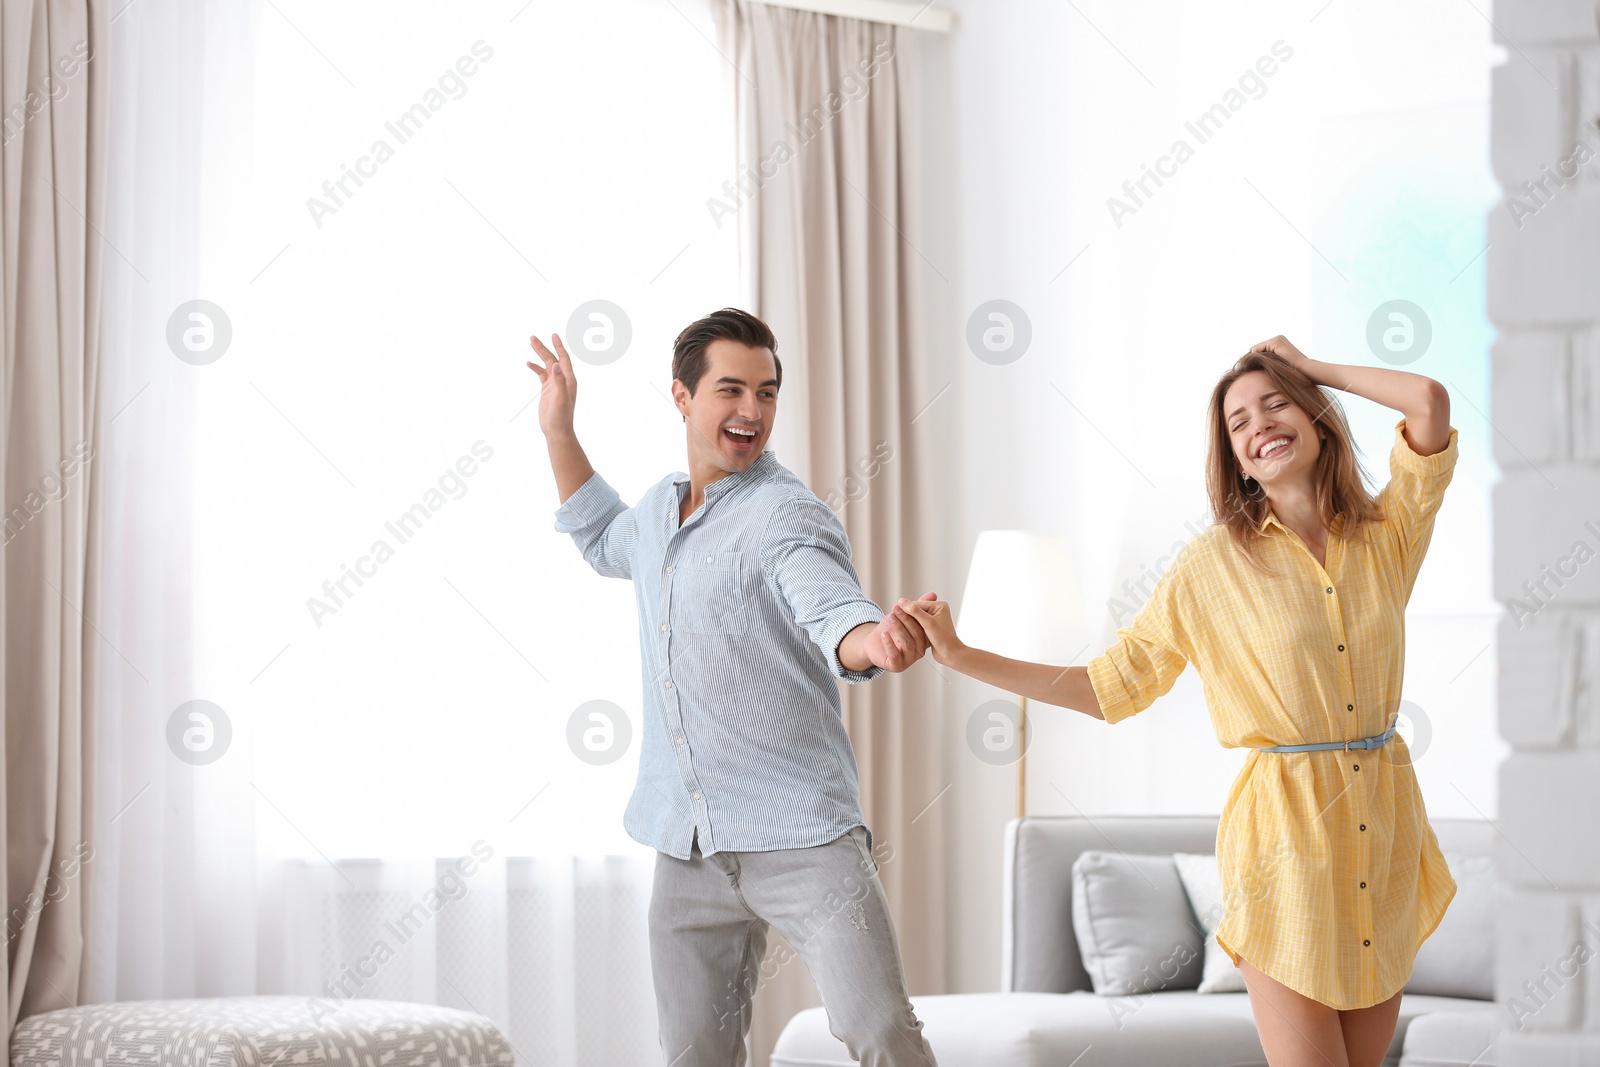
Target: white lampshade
1021,598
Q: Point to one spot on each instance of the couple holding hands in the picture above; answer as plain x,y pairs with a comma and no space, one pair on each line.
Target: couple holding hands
1290,606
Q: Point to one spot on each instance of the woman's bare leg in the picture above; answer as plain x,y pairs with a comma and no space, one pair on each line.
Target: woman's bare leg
1295,1030
1368,1032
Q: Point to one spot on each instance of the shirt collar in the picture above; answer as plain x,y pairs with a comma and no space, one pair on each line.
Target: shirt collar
1269,519
759,469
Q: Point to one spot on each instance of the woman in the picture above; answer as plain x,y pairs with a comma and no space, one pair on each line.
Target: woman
1291,607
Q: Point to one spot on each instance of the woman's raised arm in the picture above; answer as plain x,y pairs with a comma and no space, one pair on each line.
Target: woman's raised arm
1424,402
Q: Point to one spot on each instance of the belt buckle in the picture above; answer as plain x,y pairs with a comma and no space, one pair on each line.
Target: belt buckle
1347,746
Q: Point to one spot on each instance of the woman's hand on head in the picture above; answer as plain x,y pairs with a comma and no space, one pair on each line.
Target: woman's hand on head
1279,346
938,624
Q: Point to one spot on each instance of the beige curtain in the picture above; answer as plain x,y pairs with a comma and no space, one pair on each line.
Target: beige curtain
53,94
825,200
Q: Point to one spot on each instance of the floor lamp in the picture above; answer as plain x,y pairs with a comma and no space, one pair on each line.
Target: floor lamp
1021,600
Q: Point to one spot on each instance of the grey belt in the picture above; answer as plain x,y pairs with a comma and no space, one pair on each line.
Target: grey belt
1375,741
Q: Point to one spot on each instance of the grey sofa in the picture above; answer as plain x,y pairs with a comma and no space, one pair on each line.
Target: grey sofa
1047,1015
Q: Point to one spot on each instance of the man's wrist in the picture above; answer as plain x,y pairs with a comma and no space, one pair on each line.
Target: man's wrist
852,650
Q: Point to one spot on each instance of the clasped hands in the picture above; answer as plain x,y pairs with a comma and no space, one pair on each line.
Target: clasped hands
911,628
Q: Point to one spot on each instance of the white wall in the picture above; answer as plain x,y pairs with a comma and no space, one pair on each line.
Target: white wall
1544,297
1357,174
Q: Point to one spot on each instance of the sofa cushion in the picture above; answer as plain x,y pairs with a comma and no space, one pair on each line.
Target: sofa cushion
1457,960
1147,1030
1134,927
1452,1039
1203,885
251,1031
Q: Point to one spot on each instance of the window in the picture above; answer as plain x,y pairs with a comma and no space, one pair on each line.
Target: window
383,606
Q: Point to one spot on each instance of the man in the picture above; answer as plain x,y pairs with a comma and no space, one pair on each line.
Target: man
748,611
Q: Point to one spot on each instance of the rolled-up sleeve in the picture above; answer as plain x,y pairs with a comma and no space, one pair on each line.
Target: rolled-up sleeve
602,526
806,556
1145,661
1411,500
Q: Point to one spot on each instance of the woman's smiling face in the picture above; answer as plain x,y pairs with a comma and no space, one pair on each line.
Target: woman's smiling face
1274,439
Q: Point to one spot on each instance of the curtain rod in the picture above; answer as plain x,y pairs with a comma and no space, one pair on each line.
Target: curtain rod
920,16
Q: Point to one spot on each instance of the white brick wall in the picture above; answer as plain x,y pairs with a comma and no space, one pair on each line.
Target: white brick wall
1544,299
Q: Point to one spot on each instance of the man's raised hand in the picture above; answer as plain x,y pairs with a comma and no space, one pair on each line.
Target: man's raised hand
558,388
558,396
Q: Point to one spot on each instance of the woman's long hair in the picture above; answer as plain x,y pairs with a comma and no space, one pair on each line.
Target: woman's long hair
1343,501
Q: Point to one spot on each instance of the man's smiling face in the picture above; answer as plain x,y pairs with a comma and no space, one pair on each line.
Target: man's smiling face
731,411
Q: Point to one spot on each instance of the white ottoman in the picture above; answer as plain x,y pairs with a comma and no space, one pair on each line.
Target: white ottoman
285,1031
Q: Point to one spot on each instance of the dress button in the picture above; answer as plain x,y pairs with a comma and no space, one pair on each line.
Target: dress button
1330,588
1341,648
1357,766
1363,885
1349,707
1364,941
1363,826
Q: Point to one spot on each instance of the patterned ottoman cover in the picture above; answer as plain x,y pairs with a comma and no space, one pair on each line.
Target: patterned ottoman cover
279,1031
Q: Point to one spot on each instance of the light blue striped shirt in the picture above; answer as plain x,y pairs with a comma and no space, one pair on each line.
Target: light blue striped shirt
741,611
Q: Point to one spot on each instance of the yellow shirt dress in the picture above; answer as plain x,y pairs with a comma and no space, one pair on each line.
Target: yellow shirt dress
1331,875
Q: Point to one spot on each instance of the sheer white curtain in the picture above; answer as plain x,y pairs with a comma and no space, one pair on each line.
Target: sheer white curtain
172,874
552,949
399,808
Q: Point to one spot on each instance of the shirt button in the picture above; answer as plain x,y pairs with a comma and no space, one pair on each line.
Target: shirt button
680,741
669,685
697,796
663,627
669,568
710,559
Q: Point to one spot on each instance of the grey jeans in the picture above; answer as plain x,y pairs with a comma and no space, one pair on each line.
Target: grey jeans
709,917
